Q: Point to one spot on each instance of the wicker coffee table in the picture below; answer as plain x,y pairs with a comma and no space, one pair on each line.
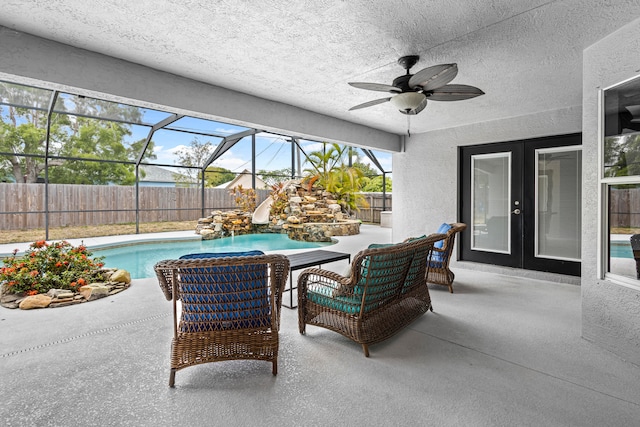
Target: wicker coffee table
306,260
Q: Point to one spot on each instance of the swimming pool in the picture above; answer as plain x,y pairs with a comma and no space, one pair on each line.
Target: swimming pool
621,249
140,257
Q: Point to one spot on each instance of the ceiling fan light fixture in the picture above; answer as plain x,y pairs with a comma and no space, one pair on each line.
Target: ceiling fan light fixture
407,101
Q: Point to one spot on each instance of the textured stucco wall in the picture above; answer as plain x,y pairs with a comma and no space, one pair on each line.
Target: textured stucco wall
32,60
429,166
610,312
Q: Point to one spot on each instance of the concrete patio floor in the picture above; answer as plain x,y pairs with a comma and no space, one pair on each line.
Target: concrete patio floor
500,351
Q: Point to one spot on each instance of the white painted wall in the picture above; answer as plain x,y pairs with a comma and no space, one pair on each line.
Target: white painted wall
429,166
610,312
33,60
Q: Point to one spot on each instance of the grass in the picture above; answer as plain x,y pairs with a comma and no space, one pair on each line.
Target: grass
65,233
621,230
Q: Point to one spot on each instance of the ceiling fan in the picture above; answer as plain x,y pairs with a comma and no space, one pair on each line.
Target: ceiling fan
412,91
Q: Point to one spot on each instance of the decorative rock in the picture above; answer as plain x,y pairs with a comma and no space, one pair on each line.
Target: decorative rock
295,199
121,276
310,199
35,301
61,300
207,234
9,298
64,303
94,291
293,219
55,293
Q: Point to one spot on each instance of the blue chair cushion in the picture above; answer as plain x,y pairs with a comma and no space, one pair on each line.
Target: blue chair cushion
221,254
211,299
437,257
444,228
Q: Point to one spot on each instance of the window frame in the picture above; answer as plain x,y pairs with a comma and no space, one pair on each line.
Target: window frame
603,197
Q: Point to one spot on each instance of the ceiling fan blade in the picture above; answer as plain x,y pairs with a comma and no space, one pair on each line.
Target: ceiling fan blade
416,110
455,93
434,77
380,87
369,104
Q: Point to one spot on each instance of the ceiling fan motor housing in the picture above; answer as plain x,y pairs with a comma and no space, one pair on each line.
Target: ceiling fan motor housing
402,83
408,61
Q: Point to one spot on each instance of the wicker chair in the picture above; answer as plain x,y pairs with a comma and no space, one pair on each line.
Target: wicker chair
230,307
438,271
385,291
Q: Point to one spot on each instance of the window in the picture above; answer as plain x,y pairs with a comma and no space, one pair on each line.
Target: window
621,180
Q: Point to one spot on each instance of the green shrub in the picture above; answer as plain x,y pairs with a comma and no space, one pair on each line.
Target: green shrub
44,266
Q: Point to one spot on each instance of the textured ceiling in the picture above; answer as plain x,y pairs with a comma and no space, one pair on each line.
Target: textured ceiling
525,54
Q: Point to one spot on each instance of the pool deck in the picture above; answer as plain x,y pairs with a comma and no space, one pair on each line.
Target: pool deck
500,351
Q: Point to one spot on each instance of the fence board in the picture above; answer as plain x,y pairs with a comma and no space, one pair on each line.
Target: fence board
22,206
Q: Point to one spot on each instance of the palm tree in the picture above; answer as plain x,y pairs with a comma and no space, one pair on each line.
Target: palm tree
331,170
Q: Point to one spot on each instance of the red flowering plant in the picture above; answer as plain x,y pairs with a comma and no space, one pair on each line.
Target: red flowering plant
44,266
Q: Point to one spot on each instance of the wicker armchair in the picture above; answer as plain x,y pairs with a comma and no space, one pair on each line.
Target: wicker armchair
385,291
230,307
438,271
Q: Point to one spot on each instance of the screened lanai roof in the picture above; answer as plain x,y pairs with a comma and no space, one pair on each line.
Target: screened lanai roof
163,132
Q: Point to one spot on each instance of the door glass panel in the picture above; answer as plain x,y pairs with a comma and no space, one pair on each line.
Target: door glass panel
558,203
624,229
490,199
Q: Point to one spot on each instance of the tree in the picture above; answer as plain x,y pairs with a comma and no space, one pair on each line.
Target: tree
23,133
95,139
366,169
274,177
193,158
374,184
622,155
215,175
372,180
330,170
322,162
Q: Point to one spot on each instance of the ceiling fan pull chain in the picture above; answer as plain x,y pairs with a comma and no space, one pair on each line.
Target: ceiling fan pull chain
408,126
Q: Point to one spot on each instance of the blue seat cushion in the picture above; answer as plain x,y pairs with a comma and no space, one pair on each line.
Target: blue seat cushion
221,254
444,228
224,297
437,257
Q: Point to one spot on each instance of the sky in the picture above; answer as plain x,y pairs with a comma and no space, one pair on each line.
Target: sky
272,151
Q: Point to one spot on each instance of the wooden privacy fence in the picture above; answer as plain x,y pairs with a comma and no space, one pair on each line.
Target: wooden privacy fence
375,202
624,207
23,206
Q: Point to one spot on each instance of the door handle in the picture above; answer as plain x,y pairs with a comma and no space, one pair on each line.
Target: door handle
516,211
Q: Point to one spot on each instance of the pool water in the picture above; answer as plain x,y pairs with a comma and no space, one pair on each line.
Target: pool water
139,258
621,250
